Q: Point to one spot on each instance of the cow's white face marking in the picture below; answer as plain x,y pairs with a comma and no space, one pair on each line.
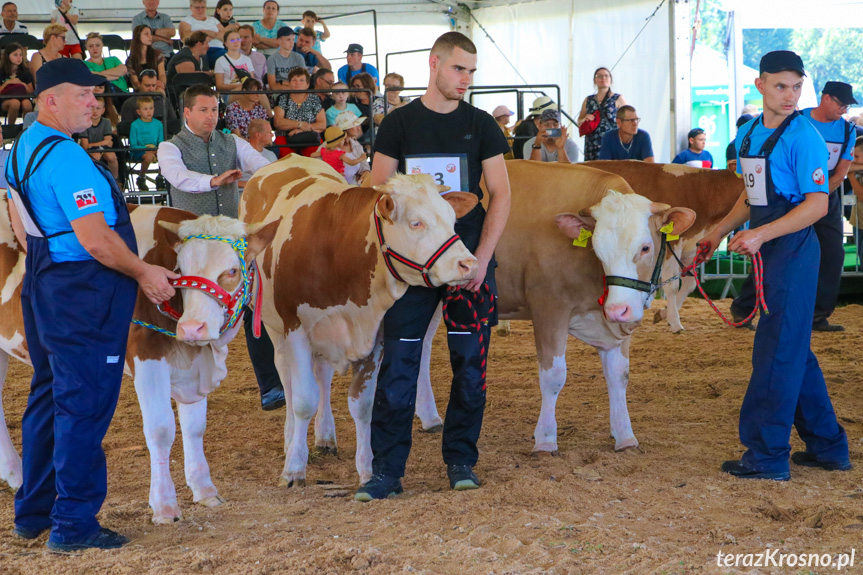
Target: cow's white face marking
623,242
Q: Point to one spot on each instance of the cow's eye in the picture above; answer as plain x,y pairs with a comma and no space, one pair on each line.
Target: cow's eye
416,225
231,272
645,249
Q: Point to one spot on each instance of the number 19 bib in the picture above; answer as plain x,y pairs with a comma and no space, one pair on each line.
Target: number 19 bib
755,179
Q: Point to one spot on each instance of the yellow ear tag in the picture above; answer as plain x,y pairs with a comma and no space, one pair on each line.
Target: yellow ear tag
583,236
667,229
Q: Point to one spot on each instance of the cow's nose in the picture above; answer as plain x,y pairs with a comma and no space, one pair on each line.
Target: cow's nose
191,330
619,313
467,267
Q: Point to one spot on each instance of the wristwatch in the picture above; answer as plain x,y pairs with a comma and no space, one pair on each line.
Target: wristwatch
535,147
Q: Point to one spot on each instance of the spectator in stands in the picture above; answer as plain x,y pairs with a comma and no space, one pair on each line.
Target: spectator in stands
352,126
225,15
501,115
627,142
54,38
190,159
161,25
855,178
356,66
146,132
11,25
335,149
695,156
324,79
751,109
306,48
731,151
244,109
232,67
192,57
298,116
267,29
99,136
15,78
142,56
149,82
393,84
66,15
310,18
199,21
259,60
551,144
528,127
340,104
363,101
280,64
603,106
260,138
111,67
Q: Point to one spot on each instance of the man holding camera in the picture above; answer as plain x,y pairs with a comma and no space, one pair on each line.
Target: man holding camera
551,144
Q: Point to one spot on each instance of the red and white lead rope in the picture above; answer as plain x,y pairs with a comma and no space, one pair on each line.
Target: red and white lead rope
472,301
758,276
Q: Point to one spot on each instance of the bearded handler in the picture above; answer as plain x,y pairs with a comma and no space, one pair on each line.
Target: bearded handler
78,295
784,166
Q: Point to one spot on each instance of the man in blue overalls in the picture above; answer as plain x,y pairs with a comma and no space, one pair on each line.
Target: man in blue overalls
439,134
77,299
839,136
784,167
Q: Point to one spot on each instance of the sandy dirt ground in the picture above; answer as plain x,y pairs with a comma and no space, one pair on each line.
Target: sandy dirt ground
667,509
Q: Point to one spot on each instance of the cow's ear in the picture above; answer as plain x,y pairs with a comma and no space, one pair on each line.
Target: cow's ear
571,225
461,202
259,236
442,188
658,208
683,218
386,207
173,235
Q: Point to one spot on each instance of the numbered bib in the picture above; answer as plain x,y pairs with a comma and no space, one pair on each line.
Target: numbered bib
755,178
835,149
446,169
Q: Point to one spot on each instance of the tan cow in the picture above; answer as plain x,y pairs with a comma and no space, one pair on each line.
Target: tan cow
186,369
710,193
327,285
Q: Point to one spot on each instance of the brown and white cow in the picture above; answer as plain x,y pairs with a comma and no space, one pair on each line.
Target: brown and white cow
327,286
710,193
186,369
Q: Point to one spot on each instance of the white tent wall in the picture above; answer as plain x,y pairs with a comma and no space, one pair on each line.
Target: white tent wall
555,42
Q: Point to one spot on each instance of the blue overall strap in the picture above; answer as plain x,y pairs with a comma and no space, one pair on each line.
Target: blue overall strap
770,143
849,129
48,144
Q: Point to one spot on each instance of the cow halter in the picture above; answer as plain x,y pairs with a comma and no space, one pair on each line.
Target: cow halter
650,287
390,254
232,303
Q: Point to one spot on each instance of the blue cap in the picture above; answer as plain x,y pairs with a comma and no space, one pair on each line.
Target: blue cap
65,71
285,31
781,61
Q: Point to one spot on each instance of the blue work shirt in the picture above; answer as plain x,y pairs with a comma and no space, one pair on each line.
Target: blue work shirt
798,163
67,186
834,134
702,159
612,149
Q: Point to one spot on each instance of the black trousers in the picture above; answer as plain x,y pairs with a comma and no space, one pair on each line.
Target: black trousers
262,354
829,232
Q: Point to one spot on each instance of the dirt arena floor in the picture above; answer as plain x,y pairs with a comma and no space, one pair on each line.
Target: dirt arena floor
667,509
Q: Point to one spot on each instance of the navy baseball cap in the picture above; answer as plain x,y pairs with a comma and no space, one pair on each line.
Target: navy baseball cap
695,132
841,91
354,48
65,71
743,119
781,61
285,31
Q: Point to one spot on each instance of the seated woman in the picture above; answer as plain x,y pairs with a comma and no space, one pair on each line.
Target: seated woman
393,83
142,56
245,108
15,78
54,38
199,20
363,101
111,67
267,28
233,66
299,118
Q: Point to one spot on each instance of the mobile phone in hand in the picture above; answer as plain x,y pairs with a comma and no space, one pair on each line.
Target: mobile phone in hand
553,132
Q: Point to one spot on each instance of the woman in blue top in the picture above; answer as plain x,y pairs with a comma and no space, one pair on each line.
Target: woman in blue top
784,168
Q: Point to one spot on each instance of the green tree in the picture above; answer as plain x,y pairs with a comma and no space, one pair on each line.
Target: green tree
759,41
831,54
714,23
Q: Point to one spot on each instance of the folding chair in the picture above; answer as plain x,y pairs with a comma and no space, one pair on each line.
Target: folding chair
133,169
183,81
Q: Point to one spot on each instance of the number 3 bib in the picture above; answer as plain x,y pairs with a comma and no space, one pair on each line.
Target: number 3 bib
446,169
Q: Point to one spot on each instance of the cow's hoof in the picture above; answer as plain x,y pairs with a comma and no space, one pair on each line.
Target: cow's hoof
545,454
630,444
326,450
657,316
292,482
677,330
213,501
168,519
436,428
545,449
